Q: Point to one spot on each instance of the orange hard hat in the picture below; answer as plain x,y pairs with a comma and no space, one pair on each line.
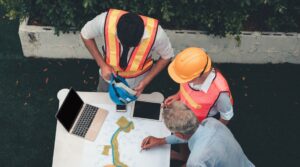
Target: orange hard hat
189,64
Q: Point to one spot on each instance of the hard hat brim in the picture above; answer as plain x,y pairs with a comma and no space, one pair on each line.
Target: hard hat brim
173,74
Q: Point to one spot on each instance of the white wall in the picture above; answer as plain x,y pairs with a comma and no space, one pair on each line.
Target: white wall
254,47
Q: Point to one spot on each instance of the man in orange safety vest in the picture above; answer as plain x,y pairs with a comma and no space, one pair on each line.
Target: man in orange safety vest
129,42
202,88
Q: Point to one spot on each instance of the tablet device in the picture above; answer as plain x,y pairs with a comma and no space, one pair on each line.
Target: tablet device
147,110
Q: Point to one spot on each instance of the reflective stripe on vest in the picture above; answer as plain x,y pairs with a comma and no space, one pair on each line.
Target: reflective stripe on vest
188,98
138,62
200,102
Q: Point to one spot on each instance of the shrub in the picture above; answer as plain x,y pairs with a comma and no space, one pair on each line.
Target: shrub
218,17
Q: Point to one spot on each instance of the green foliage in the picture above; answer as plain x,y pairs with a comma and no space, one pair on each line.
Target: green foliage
276,15
219,17
12,9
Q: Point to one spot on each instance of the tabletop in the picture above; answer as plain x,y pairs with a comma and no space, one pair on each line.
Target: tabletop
73,151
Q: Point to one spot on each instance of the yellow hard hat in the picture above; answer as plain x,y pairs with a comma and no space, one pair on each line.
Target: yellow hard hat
189,64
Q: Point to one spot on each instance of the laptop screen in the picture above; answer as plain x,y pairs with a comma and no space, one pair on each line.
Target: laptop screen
69,109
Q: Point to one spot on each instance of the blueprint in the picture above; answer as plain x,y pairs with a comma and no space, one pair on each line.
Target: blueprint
119,141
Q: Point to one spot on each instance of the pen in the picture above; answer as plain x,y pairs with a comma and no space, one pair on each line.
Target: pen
145,143
163,106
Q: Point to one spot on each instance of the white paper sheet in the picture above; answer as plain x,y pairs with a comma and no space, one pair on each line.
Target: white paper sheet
129,143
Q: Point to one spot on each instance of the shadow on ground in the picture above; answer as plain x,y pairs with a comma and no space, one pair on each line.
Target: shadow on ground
266,104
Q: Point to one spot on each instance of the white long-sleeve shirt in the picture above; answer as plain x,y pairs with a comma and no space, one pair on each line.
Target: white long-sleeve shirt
213,145
222,104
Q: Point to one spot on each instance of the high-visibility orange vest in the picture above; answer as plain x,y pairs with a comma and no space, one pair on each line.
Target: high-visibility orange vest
200,102
138,62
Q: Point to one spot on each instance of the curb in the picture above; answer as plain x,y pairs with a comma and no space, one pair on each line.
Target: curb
253,47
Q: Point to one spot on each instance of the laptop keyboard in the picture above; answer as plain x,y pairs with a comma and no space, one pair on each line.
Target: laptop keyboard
85,120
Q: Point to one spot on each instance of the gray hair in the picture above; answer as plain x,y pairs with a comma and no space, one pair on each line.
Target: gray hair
179,118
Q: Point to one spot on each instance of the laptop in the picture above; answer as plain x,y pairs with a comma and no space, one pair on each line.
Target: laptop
79,118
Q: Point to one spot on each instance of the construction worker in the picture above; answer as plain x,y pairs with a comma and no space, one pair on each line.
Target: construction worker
202,88
129,41
211,143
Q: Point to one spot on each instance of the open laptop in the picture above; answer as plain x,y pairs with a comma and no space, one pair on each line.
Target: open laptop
80,119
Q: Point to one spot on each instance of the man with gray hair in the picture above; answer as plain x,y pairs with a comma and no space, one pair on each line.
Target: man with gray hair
211,143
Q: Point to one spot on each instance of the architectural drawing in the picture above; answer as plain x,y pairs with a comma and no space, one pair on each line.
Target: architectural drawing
119,143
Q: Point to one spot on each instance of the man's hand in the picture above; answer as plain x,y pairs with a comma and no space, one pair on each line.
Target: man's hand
106,71
140,87
171,99
159,65
151,141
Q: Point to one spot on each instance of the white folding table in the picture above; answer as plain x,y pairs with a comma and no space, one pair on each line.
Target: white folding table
69,150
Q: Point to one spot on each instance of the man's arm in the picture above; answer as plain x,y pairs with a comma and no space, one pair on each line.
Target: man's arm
169,100
90,44
151,141
163,48
224,106
89,32
225,122
173,139
158,67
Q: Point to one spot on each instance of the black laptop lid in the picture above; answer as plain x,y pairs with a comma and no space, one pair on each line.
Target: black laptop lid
69,110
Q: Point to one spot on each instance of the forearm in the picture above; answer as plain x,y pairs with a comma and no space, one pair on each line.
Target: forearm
224,106
158,67
225,122
172,139
90,44
151,141
178,94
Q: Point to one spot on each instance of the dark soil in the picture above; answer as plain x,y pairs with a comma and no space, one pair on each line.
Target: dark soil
266,104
